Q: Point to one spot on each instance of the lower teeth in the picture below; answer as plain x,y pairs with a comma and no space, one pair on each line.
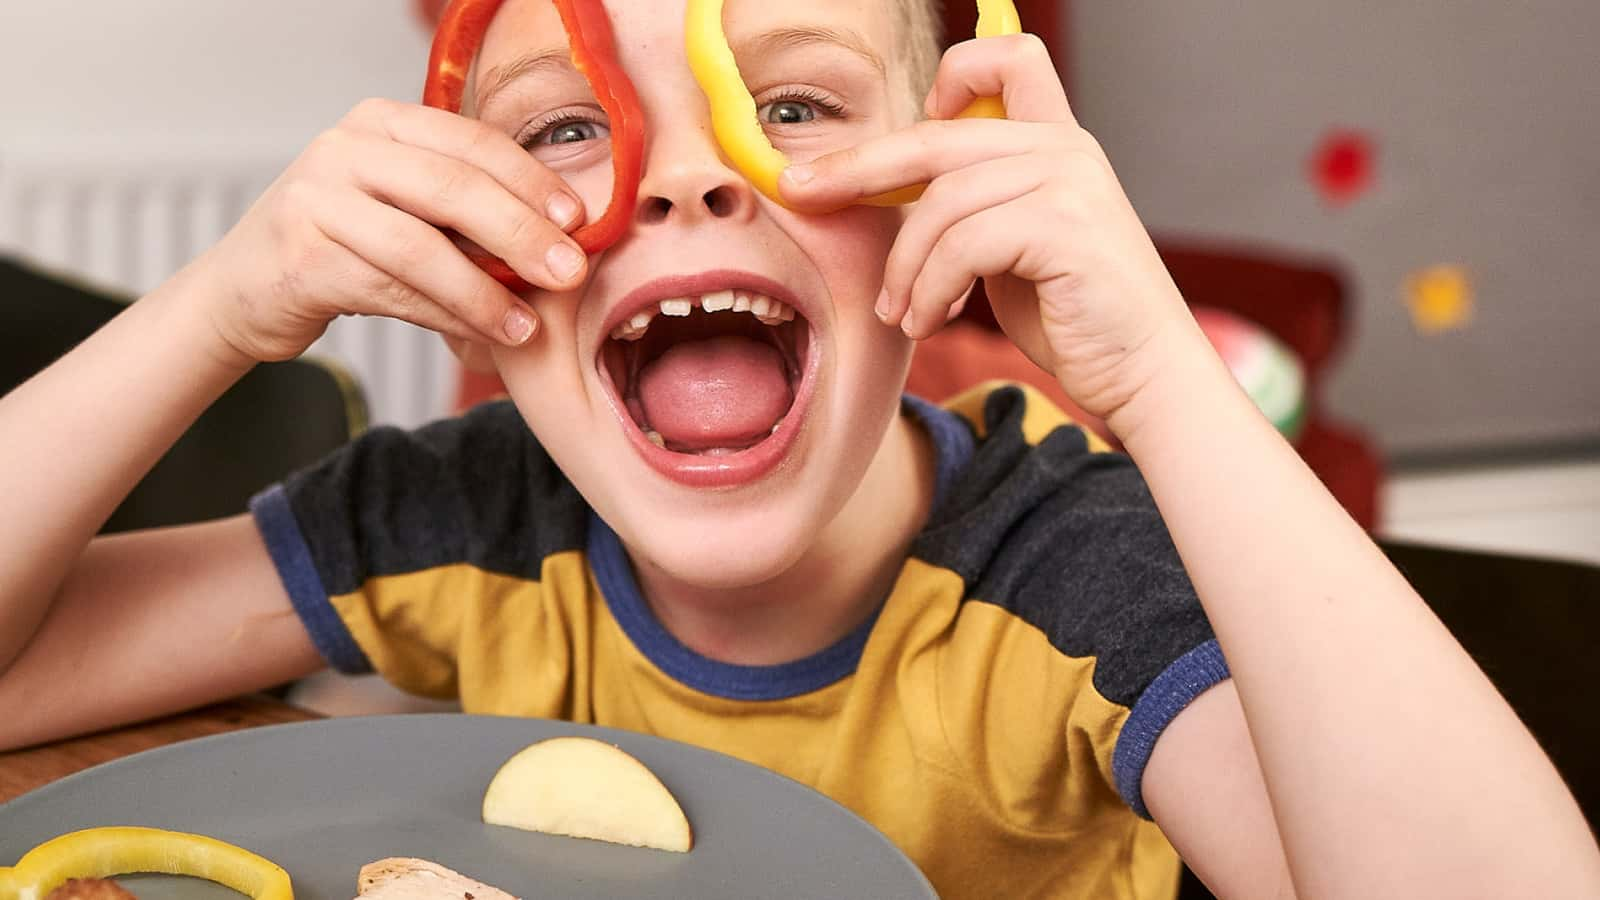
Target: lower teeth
655,438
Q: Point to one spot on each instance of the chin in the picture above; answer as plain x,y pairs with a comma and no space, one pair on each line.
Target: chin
694,551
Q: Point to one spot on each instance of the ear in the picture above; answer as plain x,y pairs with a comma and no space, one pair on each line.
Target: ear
473,356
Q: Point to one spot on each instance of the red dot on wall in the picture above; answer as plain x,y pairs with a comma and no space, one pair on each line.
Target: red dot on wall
1343,166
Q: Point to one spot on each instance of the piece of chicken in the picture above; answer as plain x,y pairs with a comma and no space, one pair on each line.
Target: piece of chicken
399,878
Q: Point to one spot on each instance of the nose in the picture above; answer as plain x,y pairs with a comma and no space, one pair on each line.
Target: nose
686,182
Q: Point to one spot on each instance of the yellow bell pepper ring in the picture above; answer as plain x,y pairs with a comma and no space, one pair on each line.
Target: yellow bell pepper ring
106,852
733,111
994,19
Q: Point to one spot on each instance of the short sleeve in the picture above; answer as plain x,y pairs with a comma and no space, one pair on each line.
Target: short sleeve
379,544
1068,542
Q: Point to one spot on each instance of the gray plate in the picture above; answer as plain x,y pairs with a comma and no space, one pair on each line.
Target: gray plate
323,798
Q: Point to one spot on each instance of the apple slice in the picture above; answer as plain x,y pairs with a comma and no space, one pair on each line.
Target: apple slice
582,787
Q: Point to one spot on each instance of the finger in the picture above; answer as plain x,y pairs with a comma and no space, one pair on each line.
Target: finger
448,192
427,281
480,145
910,156
948,200
977,246
960,305
1016,68
377,293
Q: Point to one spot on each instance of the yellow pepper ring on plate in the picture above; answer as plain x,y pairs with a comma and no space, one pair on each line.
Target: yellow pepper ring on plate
105,852
733,110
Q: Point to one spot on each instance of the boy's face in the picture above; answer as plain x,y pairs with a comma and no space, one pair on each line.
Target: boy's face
768,428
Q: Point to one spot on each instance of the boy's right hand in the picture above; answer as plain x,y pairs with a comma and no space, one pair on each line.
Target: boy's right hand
352,227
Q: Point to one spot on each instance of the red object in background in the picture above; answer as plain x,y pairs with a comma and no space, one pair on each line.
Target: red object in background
1344,166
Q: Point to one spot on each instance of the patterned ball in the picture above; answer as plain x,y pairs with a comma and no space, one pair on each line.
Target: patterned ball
1263,365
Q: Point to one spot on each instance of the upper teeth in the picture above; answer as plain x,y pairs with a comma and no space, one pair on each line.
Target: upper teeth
768,310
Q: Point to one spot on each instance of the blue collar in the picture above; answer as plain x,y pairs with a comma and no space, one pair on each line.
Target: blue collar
954,446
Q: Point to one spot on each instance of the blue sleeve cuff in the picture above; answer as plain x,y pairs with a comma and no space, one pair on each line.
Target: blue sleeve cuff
1191,675
287,547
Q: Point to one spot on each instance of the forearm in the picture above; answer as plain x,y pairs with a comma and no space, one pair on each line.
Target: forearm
83,432
1394,767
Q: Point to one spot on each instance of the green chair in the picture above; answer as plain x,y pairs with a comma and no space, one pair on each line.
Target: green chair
279,417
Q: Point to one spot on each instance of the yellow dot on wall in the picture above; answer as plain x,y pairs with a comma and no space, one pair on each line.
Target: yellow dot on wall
1440,299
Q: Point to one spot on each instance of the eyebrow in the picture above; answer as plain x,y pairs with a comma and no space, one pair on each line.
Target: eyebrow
556,58
547,60
805,36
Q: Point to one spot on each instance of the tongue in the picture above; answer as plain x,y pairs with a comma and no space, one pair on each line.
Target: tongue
723,391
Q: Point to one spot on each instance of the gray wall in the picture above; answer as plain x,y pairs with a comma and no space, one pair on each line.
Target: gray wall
1487,118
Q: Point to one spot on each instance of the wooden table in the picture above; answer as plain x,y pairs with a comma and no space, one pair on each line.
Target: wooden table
23,770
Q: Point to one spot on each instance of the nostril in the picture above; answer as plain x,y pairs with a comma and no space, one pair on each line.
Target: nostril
719,201
655,210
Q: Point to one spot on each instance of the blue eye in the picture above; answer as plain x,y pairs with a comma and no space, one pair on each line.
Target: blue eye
571,133
798,106
787,112
564,130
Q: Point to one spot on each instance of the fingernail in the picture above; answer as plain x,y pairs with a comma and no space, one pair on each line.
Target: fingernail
800,174
562,209
905,323
519,326
882,309
564,261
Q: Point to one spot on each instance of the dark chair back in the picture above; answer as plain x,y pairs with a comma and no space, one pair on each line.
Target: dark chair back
279,417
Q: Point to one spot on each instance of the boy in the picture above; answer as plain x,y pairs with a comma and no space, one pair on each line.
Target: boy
732,530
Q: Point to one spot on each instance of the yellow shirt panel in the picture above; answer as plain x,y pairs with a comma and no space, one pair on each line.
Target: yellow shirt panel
946,737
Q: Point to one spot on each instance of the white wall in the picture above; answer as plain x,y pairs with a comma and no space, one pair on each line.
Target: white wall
172,74
134,132
1550,510
1487,122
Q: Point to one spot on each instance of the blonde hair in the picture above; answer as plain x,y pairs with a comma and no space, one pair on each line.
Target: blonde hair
918,44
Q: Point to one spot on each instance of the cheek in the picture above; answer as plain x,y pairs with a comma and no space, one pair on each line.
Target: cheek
544,378
592,182
554,347
849,249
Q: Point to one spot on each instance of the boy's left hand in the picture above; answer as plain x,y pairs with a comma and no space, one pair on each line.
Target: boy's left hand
1028,203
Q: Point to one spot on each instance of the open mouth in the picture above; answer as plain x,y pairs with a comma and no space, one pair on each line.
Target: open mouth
711,385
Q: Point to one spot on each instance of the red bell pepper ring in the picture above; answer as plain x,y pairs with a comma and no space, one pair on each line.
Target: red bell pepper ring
594,52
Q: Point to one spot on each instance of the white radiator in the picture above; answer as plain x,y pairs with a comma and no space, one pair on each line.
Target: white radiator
129,224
